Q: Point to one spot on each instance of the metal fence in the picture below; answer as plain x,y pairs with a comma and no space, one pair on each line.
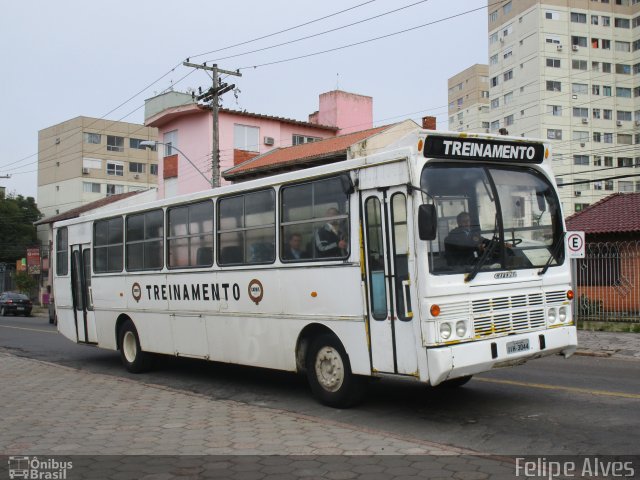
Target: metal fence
608,282
7,277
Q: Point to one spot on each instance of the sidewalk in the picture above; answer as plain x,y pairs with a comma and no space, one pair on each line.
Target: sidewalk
47,409
609,344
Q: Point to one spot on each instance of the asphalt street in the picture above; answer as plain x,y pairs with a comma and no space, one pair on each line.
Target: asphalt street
583,405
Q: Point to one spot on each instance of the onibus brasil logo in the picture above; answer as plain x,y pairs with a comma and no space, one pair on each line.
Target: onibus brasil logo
40,469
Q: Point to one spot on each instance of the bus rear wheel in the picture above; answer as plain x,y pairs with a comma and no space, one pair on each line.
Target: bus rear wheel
133,358
329,373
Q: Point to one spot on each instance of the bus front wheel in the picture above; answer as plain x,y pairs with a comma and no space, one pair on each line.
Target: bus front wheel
133,358
329,373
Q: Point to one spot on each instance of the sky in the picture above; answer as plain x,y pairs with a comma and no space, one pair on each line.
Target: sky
69,58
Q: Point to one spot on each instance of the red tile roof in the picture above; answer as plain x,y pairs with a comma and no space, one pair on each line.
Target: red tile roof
616,213
76,212
280,158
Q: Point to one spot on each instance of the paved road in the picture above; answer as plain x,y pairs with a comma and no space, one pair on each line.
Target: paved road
584,405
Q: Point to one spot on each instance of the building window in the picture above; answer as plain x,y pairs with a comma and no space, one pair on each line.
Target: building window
506,8
494,81
62,251
317,212
607,114
621,22
597,137
170,140
94,138
553,86
580,206
578,17
552,39
597,161
190,235
606,90
606,21
623,116
625,162
579,41
580,136
559,182
246,228
553,62
90,187
608,162
623,92
136,167
508,98
114,189
145,242
115,144
580,112
579,64
114,168
581,159
495,125
595,89
493,16
579,88
595,113
153,168
608,138
625,186
300,139
495,103
554,134
246,138
493,38
107,245
608,184
493,59
508,120
552,15
606,67
555,110
594,19
135,143
623,69
508,75
622,46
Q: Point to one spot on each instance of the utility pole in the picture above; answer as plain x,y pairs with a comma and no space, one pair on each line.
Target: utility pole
213,94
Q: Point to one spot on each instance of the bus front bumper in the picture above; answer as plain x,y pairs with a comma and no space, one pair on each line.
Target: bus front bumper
462,359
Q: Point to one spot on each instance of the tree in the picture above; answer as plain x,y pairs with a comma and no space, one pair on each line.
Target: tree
17,232
26,283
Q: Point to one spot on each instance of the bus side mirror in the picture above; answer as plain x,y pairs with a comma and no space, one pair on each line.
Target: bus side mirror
427,222
347,184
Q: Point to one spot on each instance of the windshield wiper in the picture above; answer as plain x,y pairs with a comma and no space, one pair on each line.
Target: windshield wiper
554,253
488,251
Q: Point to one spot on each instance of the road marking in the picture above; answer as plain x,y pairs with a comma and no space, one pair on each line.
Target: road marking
603,393
30,329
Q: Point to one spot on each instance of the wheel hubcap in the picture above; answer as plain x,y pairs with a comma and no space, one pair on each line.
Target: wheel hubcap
329,369
129,347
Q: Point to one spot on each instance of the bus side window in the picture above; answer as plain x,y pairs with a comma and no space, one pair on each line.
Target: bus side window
190,235
314,215
145,240
400,252
62,251
375,258
246,228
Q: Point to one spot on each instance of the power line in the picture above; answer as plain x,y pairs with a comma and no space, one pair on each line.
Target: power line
342,47
289,42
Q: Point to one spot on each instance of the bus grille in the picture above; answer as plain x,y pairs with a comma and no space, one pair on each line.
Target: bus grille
510,314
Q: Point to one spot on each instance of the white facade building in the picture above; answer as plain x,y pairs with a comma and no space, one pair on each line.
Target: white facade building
569,71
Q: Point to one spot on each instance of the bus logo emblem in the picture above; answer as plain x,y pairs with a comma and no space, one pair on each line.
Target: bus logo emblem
136,291
256,291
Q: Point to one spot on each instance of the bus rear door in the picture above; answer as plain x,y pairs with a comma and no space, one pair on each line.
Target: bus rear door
82,294
390,316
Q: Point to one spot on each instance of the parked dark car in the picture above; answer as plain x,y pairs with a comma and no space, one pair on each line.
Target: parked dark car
16,303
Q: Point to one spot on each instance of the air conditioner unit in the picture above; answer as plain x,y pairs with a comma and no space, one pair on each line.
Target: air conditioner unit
85,171
136,176
582,145
619,123
577,193
574,48
269,141
637,123
559,48
585,120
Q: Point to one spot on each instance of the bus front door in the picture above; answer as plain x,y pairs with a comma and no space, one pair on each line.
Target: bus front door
386,252
82,294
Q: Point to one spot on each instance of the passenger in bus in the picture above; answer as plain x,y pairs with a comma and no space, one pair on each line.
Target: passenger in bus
464,243
293,249
330,240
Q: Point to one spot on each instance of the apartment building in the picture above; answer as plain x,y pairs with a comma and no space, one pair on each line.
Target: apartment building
569,71
84,159
469,100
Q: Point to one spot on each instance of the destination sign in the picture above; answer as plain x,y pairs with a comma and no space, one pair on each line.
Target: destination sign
457,148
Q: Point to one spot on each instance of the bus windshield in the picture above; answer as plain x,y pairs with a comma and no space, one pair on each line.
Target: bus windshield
492,218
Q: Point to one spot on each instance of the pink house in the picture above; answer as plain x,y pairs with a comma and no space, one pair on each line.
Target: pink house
187,125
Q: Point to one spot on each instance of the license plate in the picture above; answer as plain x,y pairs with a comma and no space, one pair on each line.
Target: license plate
20,308
518,346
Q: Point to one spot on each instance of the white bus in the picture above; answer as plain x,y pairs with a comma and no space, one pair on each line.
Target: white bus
434,260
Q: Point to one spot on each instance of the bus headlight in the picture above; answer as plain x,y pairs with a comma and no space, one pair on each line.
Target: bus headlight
551,315
461,329
562,314
445,331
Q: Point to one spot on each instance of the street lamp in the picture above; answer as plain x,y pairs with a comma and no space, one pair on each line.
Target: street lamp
153,143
